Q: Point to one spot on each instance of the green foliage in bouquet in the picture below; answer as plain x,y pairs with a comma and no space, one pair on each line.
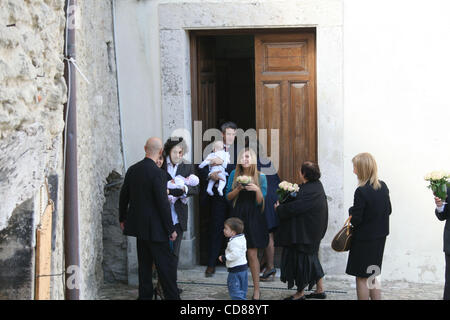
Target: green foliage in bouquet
438,183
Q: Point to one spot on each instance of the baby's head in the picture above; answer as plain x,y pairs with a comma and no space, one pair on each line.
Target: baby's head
218,146
232,227
192,180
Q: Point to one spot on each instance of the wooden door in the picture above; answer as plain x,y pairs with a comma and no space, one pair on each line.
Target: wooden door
285,81
204,105
207,81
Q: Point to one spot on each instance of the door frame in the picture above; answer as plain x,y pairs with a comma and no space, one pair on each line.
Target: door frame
193,36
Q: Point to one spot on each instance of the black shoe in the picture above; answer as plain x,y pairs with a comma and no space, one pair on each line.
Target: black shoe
315,295
292,298
269,275
209,272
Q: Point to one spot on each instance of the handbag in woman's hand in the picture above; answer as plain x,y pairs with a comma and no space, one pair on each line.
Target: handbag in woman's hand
343,239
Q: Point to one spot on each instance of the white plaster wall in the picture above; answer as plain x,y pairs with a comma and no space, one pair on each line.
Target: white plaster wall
397,107
139,74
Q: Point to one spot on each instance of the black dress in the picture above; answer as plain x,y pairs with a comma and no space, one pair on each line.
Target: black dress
364,254
273,181
303,223
370,218
255,224
300,266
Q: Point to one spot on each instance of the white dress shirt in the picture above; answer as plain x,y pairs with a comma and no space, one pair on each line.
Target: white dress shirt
172,170
440,209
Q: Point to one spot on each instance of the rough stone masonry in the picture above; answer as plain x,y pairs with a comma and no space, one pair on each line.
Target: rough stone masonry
32,97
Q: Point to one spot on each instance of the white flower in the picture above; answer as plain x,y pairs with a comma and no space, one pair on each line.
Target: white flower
437,175
244,179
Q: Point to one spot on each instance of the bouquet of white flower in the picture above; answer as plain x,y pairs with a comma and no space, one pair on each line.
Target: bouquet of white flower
286,191
244,180
438,183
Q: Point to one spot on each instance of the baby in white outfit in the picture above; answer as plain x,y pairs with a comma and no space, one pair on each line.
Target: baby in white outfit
179,183
219,152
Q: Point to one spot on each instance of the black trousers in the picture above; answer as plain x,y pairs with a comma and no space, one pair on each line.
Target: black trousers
177,243
447,277
166,266
219,212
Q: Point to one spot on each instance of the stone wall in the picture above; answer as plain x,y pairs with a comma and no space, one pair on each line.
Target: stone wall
99,144
32,97
115,244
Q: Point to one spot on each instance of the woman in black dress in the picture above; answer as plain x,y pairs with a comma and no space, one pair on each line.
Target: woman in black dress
303,224
370,219
247,204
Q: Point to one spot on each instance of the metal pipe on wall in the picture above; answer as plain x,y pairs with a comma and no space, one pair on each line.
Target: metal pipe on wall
71,227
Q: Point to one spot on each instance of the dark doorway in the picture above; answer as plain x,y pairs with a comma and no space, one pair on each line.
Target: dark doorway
227,91
261,79
235,61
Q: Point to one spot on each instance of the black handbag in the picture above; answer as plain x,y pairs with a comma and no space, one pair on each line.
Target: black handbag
343,239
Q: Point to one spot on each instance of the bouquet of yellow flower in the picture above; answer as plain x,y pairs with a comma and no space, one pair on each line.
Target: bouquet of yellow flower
286,191
438,183
244,180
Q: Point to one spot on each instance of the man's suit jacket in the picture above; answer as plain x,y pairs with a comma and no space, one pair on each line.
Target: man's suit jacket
144,205
305,219
370,212
184,169
445,215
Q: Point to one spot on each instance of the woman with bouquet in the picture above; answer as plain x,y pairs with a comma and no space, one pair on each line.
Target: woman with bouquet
246,190
303,223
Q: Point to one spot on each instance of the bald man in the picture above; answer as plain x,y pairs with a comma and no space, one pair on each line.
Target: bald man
144,213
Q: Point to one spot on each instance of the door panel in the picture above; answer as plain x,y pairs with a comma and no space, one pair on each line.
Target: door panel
206,82
286,96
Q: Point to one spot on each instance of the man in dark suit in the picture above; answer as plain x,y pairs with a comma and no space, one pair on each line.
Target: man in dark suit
443,213
144,213
219,206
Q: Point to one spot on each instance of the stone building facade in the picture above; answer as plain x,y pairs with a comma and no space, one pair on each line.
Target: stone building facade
369,99
134,81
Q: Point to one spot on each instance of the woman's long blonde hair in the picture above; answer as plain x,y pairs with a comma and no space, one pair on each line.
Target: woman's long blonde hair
253,171
366,170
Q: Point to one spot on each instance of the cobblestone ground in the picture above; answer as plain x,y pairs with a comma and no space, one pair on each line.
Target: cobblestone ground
196,287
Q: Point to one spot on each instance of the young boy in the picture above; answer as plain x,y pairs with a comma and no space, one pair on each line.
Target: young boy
235,259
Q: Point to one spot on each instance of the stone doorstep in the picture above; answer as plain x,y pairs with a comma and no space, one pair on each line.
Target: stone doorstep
338,287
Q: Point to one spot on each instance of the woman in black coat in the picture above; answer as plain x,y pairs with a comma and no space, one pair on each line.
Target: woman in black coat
303,223
370,219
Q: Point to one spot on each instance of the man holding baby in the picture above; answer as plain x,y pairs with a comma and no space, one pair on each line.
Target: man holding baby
216,181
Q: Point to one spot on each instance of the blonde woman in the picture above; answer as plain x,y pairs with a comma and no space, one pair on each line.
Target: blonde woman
247,204
370,218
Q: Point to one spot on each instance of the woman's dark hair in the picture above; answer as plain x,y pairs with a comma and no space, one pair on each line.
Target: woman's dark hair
310,170
228,125
235,224
173,142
